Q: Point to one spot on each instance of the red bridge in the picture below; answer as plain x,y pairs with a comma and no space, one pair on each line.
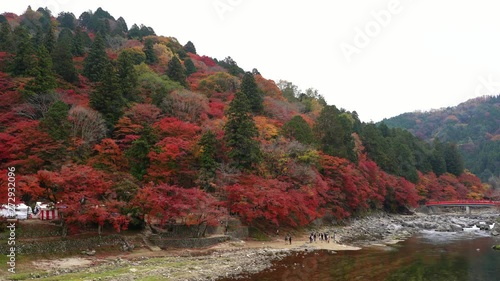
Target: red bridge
462,203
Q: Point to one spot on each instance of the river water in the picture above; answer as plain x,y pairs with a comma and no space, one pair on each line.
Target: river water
428,256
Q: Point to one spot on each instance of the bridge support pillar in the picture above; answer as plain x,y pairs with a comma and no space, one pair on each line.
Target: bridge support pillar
467,210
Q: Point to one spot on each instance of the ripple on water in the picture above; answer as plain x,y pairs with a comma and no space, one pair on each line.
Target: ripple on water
438,237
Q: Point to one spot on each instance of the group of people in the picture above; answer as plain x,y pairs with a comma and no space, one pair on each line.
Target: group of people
322,236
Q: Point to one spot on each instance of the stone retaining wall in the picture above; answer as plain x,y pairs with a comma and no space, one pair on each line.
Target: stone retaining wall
165,242
60,245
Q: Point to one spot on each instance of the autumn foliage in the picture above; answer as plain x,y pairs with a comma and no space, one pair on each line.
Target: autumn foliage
150,162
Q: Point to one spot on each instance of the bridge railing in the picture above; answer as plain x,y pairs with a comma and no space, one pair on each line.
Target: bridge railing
464,202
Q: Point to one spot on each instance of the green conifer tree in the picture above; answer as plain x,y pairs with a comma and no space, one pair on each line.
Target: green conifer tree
333,131
190,67
137,154
49,39
127,77
6,40
208,163
148,50
55,122
176,72
62,57
97,61
23,63
107,97
438,162
240,133
298,129
44,80
78,46
250,89
189,47
453,159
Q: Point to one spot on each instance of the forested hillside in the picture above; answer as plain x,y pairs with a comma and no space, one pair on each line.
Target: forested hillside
474,126
119,126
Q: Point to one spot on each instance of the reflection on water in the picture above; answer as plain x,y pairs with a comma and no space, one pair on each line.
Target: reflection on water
429,256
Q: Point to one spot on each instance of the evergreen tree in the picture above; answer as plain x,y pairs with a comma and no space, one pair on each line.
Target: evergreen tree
240,133
146,31
107,97
189,47
49,39
44,80
121,27
23,62
137,154
289,90
333,130
231,66
67,20
190,67
376,145
176,72
404,160
208,163
148,50
298,129
79,43
38,39
85,19
251,91
55,122
67,36
127,77
46,18
453,160
438,162
62,57
134,32
6,40
96,62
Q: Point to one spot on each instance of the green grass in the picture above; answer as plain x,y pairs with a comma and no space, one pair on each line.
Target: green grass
77,276
109,271
258,234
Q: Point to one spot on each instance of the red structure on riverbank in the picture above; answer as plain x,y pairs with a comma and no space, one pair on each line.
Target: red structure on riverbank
464,203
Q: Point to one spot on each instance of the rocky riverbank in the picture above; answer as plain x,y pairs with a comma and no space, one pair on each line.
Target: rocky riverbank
234,258
385,228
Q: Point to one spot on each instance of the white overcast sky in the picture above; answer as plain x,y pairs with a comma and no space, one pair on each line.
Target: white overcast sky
425,55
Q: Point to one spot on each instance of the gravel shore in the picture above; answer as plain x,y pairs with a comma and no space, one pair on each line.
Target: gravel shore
234,258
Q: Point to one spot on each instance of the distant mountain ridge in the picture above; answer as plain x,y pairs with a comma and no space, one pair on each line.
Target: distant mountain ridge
473,125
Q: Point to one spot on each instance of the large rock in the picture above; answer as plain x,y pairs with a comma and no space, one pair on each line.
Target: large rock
456,227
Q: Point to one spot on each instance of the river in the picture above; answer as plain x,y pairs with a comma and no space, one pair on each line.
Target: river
429,256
